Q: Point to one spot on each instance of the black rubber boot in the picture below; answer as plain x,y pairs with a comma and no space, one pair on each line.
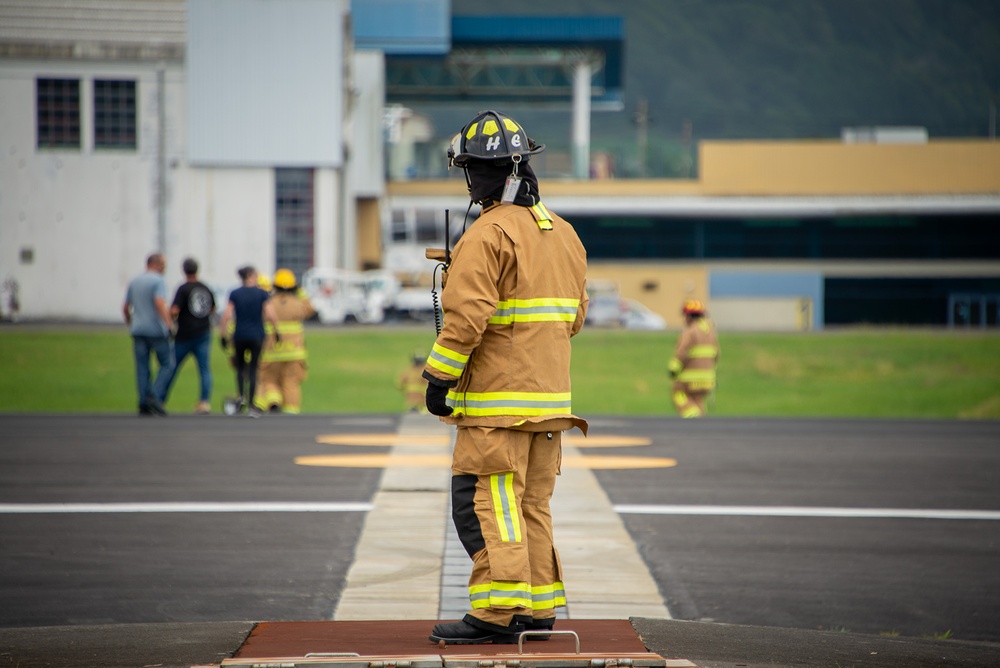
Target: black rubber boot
472,631
539,625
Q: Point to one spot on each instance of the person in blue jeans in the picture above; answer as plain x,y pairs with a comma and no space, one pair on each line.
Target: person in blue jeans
193,308
150,324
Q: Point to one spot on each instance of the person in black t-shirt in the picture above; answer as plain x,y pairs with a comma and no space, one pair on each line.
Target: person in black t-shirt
250,306
193,308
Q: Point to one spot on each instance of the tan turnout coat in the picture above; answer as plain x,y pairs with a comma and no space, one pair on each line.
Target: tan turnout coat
515,294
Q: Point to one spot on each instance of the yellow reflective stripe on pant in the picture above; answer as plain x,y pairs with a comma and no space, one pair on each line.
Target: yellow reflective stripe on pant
505,507
547,597
685,405
510,403
447,361
500,595
535,310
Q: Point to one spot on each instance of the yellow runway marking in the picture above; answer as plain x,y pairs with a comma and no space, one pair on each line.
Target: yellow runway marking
444,461
386,440
382,440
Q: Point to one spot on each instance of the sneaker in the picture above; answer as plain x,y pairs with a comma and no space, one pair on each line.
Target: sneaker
203,408
156,408
144,411
472,631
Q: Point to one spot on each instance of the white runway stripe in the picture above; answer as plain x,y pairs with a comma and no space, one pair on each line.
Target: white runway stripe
806,511
185,507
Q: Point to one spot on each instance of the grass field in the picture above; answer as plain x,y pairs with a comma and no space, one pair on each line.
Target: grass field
856,373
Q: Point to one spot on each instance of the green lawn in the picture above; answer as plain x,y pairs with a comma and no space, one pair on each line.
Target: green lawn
859,372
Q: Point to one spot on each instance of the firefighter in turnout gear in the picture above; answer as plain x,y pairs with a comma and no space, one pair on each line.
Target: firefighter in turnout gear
283,363
413,384
500,371
693,365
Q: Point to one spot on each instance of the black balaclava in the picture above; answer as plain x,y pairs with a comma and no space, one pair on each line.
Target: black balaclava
486,182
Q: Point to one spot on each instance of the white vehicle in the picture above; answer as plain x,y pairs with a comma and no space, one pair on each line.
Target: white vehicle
639,316
338,295
608,308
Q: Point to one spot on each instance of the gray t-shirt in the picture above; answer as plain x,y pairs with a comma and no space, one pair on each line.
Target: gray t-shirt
143,289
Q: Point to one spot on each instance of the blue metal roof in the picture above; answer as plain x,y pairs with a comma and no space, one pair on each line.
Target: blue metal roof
415,75
535,29
604,32
402,26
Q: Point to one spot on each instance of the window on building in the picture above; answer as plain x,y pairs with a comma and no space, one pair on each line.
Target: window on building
114,113
58,112
294,219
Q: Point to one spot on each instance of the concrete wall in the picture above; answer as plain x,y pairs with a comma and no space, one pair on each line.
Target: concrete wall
77,224
767,299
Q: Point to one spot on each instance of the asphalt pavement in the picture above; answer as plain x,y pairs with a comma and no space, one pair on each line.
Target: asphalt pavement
134,541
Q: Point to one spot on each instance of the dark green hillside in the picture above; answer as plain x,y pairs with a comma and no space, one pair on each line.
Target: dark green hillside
785,68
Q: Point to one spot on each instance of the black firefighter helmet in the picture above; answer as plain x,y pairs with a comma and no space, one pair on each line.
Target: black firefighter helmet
492,136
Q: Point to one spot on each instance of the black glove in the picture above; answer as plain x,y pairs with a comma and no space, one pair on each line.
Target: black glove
435,398
223,342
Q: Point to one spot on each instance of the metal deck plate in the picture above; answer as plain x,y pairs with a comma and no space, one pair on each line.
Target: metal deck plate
405,644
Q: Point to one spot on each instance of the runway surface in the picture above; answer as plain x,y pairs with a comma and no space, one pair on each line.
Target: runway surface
867,526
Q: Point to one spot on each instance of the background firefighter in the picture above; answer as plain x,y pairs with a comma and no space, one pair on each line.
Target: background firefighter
693,364
500,371
414,385
283,362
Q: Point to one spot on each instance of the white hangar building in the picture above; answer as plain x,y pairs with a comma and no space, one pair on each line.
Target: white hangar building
232,131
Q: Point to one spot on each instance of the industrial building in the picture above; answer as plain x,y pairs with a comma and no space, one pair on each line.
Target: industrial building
276,133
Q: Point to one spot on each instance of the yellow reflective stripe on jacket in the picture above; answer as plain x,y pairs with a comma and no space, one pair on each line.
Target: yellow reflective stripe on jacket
505,507
689,375
510,403
282,354
703,351
546,597
500,594
285,327
544,309
447,361
542,216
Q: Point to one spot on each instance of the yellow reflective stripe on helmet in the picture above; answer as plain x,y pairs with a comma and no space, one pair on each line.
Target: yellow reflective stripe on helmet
704,351
546,597
447,361
544,309
510,403
510,125
505,507
471,132
500,595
